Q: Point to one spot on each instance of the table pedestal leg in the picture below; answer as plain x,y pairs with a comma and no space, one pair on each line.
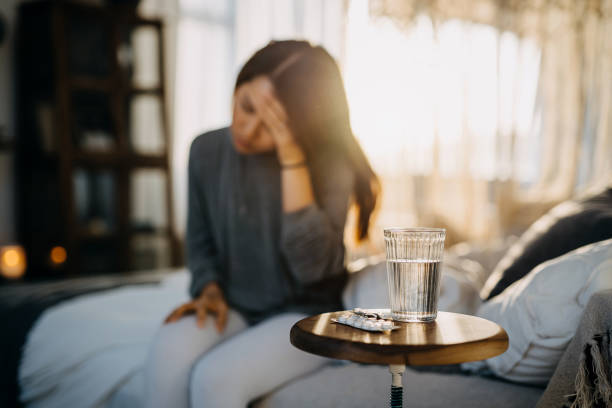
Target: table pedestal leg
396,371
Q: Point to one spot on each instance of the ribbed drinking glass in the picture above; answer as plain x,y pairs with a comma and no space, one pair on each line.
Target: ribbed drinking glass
414,256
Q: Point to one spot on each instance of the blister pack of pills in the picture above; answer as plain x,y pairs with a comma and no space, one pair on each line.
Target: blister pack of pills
366,320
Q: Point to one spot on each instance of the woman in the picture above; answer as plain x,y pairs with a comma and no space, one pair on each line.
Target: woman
268,199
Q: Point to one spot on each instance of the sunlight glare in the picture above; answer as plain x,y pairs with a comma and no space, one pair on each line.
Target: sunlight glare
459,90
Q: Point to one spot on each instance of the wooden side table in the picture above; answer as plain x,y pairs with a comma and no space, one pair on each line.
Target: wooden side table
451,339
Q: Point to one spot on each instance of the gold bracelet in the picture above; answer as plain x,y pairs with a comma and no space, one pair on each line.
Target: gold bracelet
293,165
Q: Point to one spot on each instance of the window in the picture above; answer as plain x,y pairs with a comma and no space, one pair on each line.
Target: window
455,99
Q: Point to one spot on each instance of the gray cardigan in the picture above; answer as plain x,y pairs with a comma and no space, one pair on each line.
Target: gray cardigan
265,261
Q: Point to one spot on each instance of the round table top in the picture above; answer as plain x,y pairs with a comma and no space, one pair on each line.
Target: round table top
451,339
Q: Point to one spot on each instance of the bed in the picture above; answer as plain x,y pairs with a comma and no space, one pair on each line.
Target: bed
22,304
60,350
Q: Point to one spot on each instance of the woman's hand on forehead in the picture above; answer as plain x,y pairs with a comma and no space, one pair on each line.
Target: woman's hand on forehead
263,95
273,115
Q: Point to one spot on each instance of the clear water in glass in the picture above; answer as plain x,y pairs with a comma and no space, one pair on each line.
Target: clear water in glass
413,289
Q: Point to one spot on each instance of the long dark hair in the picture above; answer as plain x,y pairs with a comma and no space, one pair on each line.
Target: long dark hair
309,85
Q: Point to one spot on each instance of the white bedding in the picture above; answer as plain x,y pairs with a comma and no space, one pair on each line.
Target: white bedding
80,351
89,351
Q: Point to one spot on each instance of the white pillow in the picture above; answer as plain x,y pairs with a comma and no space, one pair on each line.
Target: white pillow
541,311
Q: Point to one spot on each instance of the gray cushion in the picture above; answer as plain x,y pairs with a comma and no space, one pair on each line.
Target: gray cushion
354,385
566,227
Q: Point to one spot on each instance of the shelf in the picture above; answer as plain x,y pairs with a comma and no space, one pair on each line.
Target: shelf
163,231
86,235
90,83
6,145
137,20
116,159
97,159
124,12
141,160
150,91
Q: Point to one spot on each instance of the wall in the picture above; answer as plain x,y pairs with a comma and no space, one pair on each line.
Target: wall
7,123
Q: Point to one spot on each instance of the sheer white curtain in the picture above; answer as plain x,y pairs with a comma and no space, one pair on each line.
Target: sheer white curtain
214,39
487,112
445,111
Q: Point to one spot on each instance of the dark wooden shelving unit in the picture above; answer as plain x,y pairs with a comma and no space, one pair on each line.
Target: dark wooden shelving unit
6,145
86,143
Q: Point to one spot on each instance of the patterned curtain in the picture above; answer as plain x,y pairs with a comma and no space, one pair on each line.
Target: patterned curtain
515,110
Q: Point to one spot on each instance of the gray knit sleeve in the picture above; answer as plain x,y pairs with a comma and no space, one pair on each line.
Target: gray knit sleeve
313,237
201,252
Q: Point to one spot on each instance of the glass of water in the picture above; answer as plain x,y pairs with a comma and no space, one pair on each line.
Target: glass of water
414,256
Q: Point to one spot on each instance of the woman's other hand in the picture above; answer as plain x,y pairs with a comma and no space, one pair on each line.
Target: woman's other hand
210,301
272,114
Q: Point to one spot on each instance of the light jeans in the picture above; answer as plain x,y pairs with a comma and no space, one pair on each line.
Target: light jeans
189,366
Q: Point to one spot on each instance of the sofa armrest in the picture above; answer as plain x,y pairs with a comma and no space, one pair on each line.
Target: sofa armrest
574,375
